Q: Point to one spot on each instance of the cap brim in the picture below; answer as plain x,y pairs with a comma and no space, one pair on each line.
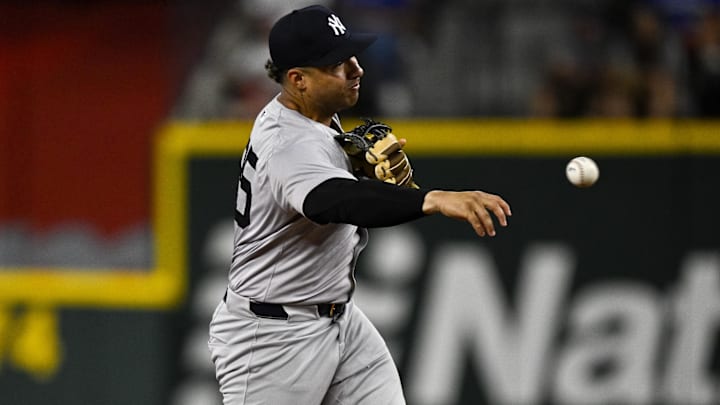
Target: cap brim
350,47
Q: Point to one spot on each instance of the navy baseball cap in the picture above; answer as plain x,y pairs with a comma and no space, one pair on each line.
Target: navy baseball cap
314,36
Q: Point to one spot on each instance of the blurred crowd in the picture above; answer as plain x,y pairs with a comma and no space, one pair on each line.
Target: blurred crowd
499,58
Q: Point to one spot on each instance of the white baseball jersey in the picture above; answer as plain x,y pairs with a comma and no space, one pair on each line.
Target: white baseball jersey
279,255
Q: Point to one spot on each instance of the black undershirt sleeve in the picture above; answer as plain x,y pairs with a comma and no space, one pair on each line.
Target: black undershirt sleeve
366,203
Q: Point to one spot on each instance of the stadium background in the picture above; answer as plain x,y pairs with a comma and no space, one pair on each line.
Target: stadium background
121,123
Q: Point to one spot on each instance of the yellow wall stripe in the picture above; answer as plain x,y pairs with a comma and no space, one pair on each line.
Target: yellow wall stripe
499,137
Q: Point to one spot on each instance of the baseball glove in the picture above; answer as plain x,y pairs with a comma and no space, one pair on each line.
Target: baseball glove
376,153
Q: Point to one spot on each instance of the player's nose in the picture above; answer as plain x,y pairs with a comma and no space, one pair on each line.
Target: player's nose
355,71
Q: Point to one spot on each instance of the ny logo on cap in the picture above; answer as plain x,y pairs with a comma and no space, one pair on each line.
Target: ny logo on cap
336,25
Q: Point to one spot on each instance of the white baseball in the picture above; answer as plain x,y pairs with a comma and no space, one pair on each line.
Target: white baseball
582,171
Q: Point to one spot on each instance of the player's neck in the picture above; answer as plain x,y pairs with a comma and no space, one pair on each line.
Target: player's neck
298,104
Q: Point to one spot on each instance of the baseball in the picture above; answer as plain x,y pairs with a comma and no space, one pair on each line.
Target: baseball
582,171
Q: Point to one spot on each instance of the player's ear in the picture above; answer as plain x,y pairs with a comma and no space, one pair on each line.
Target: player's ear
296,78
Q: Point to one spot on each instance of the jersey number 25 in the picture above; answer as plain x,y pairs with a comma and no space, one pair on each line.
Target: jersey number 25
243,218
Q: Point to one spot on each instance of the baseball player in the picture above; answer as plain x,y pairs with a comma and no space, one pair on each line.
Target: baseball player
287,330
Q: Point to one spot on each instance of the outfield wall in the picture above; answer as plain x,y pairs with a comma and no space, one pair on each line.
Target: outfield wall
602,295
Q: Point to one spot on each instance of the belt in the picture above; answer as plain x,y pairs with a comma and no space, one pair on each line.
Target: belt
277,311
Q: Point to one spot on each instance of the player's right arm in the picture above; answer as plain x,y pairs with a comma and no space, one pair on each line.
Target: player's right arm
372,203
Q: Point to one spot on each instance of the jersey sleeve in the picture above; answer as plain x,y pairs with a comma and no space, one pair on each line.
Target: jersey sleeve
298,167
367,203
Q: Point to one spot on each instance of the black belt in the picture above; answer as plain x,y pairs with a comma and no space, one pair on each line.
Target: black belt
277,311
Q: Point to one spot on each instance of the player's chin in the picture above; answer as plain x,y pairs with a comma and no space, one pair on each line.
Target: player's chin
352,98
346,103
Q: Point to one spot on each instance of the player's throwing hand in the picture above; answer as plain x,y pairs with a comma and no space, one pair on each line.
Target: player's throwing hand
471,206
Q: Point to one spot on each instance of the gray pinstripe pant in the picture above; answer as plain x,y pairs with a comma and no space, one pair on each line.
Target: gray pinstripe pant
306,359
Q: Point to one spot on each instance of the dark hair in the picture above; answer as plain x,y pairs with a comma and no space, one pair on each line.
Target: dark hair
274,72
